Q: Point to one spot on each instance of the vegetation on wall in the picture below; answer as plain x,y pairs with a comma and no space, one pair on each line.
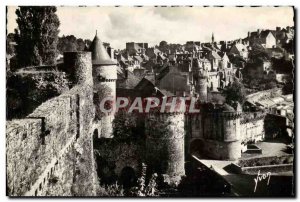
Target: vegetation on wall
26,92
128,126
70,43
144,187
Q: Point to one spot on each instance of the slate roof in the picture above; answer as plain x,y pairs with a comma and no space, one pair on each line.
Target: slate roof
240,47
265,33
164,71
144,82
215,55
129,83
138,58
166,93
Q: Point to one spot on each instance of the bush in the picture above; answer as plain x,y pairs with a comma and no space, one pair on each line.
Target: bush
110,190
27,91
142,189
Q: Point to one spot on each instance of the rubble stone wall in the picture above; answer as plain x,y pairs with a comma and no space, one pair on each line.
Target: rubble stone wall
114,156
50,151
253,130
165,144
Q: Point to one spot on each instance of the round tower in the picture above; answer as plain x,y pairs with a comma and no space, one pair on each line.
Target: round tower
230,118
165,145
78,66
104,76
200,76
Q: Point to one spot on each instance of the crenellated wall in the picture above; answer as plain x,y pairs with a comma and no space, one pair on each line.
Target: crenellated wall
222,135
215,134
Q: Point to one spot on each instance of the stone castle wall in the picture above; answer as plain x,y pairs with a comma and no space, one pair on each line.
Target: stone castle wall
50,151
253,130
222,150
121,155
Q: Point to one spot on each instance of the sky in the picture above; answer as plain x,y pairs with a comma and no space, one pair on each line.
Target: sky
118,25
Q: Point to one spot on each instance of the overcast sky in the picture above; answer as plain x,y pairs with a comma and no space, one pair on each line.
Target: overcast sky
118,25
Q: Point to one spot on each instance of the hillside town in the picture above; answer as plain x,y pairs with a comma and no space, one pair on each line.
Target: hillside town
59,138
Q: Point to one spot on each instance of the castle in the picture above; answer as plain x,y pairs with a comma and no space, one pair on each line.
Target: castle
55,142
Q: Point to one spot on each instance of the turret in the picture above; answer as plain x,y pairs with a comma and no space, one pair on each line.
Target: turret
231,131
78,65
165,145
105,76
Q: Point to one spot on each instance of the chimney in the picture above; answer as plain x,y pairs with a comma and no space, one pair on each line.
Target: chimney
258,31
278,29
110,52
248,34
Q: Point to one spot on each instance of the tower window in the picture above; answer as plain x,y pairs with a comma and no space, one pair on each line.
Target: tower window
197,122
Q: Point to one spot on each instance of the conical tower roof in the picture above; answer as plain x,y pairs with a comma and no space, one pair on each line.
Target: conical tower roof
99,53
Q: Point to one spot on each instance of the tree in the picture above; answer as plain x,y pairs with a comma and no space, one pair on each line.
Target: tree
258,52
88,42
80,44
67,44
271,84
163,46
37,35
235,93
288,88
70,43
10,49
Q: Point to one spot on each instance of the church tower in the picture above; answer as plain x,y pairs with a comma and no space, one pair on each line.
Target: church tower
104,76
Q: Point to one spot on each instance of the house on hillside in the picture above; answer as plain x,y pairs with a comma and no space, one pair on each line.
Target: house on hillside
265,38
240,50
